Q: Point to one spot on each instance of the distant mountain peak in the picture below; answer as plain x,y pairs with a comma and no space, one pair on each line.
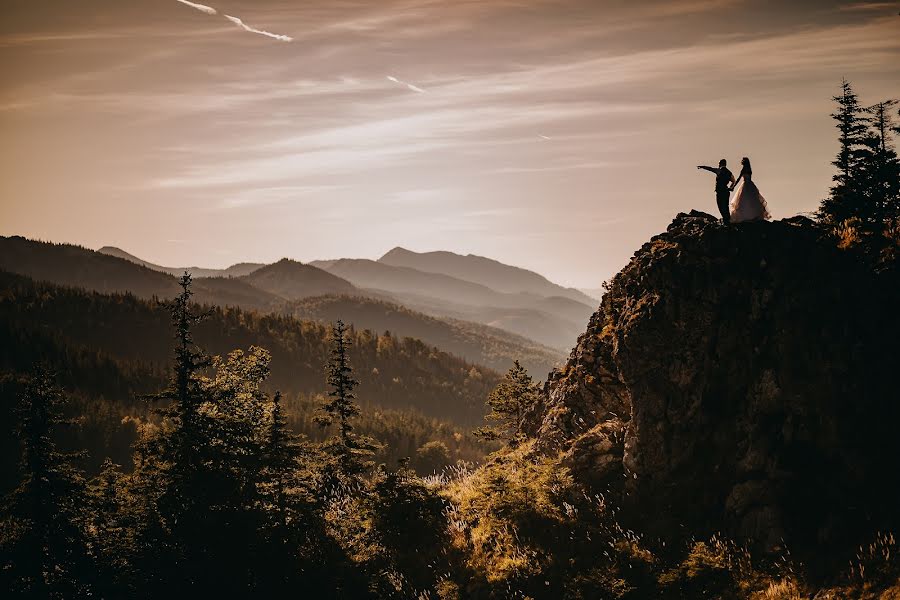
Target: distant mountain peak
484,271
293,280
286,261
394,252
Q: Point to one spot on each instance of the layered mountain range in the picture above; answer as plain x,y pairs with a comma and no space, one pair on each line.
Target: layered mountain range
440,284
442,300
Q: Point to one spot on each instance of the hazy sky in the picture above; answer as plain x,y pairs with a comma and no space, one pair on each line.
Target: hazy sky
554,135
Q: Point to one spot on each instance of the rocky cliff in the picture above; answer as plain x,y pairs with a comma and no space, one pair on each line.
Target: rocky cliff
738,379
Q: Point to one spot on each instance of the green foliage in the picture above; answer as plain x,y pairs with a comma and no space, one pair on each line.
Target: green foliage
409,527
432,456
509,402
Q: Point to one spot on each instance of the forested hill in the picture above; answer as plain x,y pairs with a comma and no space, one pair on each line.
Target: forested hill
484,345
286,287
395,372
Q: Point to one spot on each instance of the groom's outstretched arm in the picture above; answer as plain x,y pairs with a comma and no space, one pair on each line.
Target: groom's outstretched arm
710,169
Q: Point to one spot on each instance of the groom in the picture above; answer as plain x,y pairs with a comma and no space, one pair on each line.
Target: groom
724,178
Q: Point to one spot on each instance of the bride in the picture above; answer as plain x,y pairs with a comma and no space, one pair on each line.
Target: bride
747,204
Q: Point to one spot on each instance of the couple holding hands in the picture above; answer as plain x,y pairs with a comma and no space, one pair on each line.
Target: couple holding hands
747,204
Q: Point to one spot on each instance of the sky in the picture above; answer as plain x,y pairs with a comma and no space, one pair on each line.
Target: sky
553,135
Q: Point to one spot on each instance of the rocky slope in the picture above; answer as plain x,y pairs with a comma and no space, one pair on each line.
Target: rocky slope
737,379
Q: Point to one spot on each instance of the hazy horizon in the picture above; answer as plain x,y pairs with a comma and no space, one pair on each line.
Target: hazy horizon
554,136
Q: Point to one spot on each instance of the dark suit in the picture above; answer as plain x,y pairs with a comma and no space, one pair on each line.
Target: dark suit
724,178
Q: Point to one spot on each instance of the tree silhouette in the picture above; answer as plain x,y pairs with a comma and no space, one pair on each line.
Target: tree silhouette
44,547
352,452
847,198
170,478
883,168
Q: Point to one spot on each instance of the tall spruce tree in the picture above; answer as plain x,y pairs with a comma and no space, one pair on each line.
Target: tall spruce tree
43,544
509,402
184,395
169,477
847,198
882,170
352,453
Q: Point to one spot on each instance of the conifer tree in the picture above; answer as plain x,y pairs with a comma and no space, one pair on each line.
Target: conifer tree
351,451
509,402
883,168
43,544
847,197
179,446
184,389
173,512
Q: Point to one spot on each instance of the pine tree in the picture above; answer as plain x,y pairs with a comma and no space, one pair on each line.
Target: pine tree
351,451
882,170
181,400
509,402
847,197
44,547
184,390
169,478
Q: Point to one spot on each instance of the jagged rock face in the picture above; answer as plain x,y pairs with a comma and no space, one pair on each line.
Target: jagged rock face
737,379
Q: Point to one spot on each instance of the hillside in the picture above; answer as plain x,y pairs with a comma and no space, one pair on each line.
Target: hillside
552,321
67,264
293,280
395,372
404,280
542,326
486,271
70,265
549,320
494,348
79,267
236,270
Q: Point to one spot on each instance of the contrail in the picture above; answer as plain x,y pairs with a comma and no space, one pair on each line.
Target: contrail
211,11
202,8
245,27
414,88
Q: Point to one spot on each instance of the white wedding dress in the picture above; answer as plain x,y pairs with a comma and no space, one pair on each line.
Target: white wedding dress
748,204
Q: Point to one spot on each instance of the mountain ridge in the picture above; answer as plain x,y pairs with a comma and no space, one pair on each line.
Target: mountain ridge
79,267
235,270
480,269
294,280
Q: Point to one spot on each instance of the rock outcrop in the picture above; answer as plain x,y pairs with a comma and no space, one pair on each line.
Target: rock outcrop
738,379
